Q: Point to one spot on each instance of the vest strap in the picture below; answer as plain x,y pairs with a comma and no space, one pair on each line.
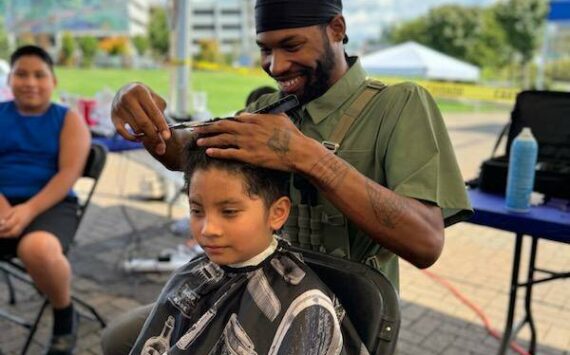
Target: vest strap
353,112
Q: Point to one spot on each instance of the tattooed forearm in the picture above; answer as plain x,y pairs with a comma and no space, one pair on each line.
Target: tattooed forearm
330,172
389,209
279,141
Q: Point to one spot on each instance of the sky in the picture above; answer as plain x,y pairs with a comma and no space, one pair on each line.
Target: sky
365,18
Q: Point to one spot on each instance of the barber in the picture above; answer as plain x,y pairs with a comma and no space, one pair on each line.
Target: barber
382,188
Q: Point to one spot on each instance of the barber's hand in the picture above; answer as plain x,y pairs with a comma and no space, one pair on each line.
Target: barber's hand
141,108
14,222
264,140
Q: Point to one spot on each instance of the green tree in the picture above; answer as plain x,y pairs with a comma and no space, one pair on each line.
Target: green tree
452,29
67,49
88,46
158,33
414,30
490,46
522,21
141,43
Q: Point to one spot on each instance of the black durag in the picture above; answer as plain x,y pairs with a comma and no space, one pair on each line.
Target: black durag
273,15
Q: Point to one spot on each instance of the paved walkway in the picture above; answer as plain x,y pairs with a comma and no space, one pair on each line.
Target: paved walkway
476,260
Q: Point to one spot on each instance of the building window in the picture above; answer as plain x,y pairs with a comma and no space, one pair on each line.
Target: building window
231,12
204,12
231,27
204,27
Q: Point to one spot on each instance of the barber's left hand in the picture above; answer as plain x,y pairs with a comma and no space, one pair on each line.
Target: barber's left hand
14,222
271,141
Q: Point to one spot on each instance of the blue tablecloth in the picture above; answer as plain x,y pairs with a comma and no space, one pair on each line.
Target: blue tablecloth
544,221
117,143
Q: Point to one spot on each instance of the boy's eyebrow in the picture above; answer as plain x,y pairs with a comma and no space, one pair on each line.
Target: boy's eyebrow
192,200
228,201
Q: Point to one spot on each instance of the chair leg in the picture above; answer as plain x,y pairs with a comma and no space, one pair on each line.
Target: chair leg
91,309
34,327
11,293
15,319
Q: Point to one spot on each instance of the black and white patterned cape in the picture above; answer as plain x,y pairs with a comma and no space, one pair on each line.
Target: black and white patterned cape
277,307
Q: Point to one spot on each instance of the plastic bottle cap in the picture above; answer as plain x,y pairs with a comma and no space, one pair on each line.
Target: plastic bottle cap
526,133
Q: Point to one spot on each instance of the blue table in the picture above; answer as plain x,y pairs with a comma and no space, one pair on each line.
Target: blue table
117,143
550,221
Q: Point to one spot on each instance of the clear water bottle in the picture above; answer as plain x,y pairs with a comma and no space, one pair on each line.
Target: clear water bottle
522,168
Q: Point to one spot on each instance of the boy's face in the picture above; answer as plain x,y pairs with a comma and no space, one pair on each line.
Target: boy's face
32,84
229,225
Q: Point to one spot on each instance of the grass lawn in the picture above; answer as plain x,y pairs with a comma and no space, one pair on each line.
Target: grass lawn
226,91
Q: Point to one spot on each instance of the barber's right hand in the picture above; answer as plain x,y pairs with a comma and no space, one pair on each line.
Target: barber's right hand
142,109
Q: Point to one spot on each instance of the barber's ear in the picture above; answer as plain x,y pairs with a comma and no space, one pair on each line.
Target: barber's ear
337,26
279,212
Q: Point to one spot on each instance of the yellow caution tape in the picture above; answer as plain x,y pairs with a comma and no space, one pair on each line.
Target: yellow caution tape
464,91
438,89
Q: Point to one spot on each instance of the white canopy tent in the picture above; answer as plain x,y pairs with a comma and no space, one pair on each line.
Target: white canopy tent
411,59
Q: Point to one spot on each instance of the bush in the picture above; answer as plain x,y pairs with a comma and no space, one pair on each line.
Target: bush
88,46
67,49
559,70
141,43
5,49
115,45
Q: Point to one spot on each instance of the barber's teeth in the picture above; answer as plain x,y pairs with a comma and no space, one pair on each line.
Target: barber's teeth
289,83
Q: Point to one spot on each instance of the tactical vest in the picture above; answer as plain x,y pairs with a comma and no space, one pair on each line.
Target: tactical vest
315,223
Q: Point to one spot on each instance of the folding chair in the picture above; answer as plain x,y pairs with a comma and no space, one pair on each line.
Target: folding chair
11,267
368,297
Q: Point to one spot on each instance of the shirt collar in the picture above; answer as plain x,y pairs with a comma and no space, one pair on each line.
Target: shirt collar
256,260
339,93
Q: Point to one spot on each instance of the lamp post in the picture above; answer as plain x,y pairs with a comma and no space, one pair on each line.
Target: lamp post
180,60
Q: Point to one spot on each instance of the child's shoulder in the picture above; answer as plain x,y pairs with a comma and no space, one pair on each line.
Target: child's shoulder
6,105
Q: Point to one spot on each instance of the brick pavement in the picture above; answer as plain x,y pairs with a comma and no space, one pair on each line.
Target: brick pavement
476,260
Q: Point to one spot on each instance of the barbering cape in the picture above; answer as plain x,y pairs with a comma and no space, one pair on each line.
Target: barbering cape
277,307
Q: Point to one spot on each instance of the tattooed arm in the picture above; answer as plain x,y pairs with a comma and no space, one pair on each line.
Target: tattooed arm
411,229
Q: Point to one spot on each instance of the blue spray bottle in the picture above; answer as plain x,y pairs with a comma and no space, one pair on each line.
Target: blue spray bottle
522,165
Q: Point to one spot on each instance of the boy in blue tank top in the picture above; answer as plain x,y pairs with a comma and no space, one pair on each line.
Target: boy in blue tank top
43,150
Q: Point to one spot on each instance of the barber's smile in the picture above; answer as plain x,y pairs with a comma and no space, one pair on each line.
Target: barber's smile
291,85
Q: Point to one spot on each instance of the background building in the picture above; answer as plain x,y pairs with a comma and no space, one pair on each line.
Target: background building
229,23
99,18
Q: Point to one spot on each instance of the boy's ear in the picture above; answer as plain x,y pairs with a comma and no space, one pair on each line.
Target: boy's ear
279,212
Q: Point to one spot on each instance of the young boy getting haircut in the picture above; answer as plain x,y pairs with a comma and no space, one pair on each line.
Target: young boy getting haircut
250,294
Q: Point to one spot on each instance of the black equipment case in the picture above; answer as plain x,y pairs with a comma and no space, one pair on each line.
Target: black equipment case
547,113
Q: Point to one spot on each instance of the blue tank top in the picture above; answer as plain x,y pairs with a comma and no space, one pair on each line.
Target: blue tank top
29,149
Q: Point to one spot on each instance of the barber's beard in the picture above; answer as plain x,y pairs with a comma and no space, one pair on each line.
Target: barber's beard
318,79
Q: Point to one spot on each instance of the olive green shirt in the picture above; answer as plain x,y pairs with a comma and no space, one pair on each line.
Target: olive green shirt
400,141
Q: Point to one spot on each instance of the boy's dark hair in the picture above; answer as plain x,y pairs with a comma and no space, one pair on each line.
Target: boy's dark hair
257,93
31,50
268,184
